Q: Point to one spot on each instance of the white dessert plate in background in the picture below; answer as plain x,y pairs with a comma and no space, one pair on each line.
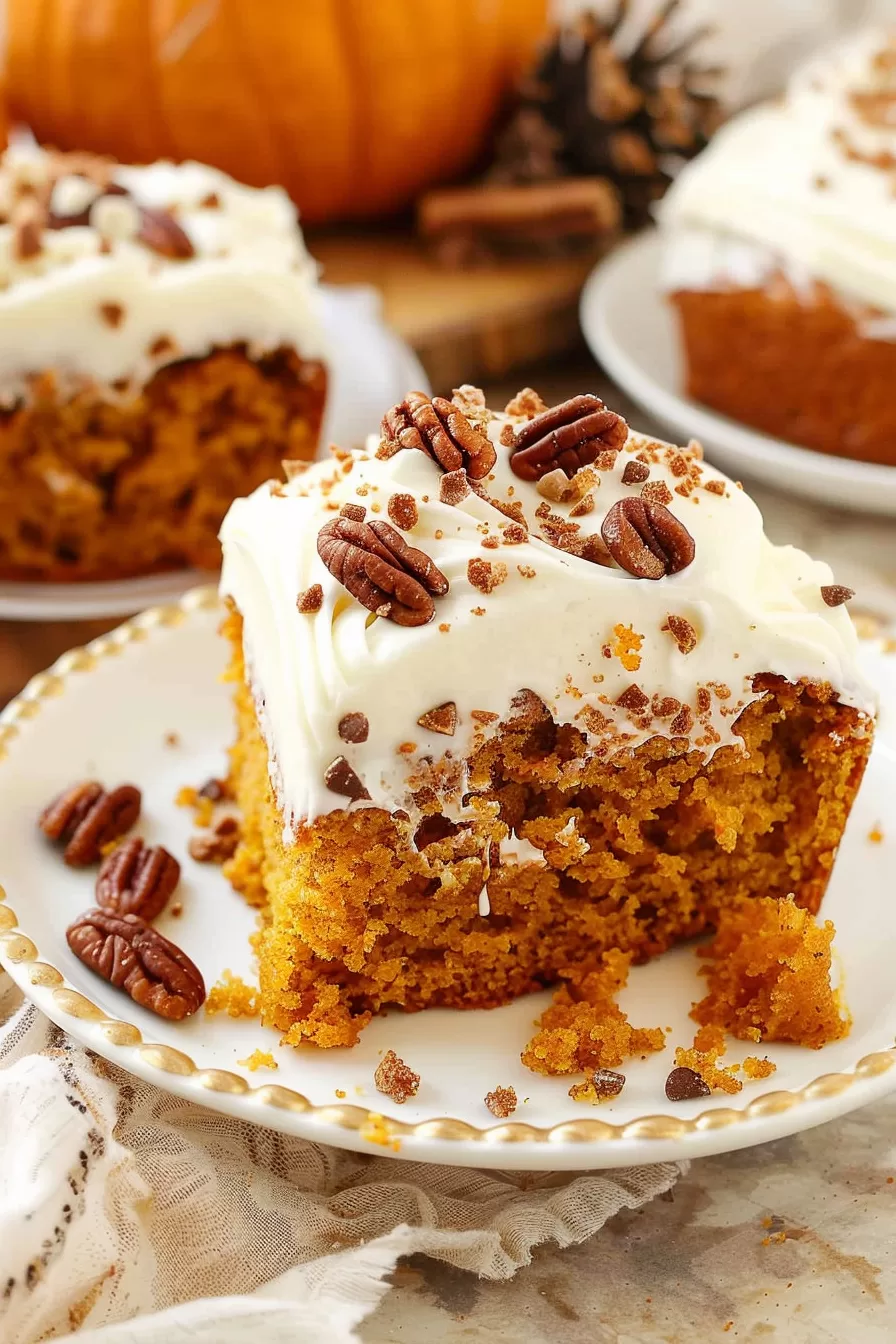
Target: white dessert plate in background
111,717
370,369
631,329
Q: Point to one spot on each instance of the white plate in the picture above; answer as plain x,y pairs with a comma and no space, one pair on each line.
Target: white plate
632,332
370,369
108,716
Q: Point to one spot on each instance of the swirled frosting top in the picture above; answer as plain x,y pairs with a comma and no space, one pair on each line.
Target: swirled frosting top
534,602
804,184
108,272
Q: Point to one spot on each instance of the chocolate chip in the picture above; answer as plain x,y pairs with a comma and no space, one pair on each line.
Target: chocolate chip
339,777
685,1085
354,727
834,594
607,1083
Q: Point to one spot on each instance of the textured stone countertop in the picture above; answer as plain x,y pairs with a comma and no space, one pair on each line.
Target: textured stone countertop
792,1241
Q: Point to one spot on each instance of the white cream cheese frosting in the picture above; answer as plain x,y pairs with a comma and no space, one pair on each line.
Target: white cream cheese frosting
804,185
578,633
95,306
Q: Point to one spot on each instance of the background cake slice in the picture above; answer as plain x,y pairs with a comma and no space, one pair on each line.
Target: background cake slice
513,690
160,353
780,258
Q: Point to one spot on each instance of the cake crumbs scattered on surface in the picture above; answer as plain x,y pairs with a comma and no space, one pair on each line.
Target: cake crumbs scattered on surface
231,995
395,1079
259,1059
340,1093
501,1102
703,1056
172,739
584,1028
876,835
770,975
599,1086
203,807
376,1129
758,1068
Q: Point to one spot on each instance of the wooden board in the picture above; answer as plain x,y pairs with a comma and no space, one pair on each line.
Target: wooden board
465,325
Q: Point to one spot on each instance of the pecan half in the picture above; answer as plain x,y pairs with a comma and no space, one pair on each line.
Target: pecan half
130,955
440,429
379,568
646,539
86,818
160,231
568,436
136,879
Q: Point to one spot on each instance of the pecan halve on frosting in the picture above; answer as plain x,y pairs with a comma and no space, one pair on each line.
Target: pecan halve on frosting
380,570
568,436
440,429
646,539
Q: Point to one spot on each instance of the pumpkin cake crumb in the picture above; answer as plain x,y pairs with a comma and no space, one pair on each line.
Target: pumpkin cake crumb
758,1068
703,1056
584,1028
770,975
259,1059
501,1102
376,1129
395,1079
231,995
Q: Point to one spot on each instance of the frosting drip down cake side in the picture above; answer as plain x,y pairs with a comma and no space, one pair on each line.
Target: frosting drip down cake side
161,349
513,690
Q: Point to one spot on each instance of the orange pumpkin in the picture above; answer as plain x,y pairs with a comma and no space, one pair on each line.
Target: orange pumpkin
353,105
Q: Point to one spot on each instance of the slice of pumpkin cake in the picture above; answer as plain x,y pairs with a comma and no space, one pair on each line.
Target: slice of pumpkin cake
514,689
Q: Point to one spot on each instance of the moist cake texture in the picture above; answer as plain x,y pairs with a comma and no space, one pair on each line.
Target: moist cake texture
779,255
589,710
160,352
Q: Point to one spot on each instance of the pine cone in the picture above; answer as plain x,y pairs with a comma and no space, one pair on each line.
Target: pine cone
590,109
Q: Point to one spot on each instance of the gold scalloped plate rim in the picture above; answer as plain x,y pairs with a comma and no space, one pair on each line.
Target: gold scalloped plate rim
647,1137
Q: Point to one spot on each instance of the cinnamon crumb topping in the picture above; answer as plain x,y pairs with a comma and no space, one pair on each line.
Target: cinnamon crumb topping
682,632
633,699
485,575
526,403
527,571
514,535
714,487
635,472
402,510
454,486
704,701
355,512
657,492
441,719
310,600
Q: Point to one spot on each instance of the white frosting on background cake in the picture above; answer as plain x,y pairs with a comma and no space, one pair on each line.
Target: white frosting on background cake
550,626
804,185
250,278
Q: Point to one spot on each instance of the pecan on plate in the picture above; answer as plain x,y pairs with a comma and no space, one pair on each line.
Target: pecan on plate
136,879
568,436
132,956
379,568
646,539
87,818
440,429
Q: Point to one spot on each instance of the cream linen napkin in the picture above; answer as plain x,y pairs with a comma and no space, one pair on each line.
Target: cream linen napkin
119,1202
